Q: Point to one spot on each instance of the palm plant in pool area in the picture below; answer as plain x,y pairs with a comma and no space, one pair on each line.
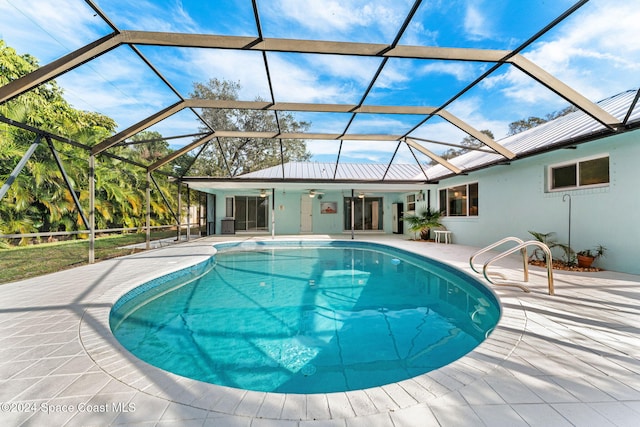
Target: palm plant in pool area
550,240
423,222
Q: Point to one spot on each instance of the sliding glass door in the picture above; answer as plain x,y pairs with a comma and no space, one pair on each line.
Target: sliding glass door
367,213
252,213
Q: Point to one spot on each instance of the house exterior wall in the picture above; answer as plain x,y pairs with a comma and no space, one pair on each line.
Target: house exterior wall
287,210
513,200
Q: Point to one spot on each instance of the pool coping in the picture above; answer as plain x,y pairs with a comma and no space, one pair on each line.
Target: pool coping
114,360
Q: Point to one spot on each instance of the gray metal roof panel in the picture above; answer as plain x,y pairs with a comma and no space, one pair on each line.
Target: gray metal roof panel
345,171
545,136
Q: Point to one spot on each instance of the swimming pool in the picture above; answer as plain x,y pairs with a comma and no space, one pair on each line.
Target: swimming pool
306,317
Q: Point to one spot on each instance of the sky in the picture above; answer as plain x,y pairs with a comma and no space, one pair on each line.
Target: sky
595,51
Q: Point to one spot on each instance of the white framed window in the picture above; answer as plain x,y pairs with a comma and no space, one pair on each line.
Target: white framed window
581,173
228,207
461,200
411,203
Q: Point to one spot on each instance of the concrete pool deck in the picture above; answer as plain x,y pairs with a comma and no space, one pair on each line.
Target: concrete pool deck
568,359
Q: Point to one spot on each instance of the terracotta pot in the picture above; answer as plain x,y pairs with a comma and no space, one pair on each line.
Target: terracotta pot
585,261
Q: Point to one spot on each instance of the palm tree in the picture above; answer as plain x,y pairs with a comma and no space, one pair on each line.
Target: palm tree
423,222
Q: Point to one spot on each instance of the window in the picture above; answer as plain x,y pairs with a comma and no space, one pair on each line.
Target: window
581,173
461,200
367,213
228,207
411,202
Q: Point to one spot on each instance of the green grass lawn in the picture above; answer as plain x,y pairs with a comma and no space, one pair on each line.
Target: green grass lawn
35,260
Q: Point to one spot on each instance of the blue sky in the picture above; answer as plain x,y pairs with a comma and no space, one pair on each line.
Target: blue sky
595,51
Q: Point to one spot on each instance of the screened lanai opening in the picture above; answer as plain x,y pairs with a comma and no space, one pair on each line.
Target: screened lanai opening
487,64
210,94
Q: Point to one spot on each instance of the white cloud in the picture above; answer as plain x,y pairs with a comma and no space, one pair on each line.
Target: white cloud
394,75
323,147
471,111
150,15
360,70
439,130
418,35
344,16
597,54
301,82
247,68
118,85
298,78
461,71
475,23
48,29
371,151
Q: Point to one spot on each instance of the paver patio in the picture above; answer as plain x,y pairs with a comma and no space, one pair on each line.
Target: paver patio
568,359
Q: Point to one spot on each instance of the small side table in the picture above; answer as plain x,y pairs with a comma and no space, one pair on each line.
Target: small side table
445,233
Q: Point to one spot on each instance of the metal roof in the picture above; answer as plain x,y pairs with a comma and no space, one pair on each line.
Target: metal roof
343,172
570,129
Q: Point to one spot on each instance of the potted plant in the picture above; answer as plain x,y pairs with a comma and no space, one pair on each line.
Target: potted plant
586,257
423,222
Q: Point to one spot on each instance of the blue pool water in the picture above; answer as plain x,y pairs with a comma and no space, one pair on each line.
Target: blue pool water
306,317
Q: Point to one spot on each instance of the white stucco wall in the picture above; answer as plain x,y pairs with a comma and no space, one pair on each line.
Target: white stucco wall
513,200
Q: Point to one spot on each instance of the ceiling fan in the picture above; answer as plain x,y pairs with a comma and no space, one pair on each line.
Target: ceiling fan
262,193
314,193
362,194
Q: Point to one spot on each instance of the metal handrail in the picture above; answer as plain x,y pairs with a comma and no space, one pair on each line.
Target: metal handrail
496,244
524,245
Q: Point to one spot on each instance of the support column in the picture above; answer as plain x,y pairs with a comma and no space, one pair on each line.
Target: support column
166,202
179,217
273,213
21,164
92,208
353,214
67,181
148,246
188,213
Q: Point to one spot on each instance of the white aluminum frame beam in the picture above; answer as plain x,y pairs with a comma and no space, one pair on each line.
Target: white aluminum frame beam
291,106
107,43
180,152
453,168
138,127
569,94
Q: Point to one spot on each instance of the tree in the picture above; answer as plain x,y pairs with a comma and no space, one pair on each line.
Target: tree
524,124
468,143
235,156
149,146
39,200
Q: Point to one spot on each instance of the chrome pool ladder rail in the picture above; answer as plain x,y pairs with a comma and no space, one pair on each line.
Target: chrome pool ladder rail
520,247
496,244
